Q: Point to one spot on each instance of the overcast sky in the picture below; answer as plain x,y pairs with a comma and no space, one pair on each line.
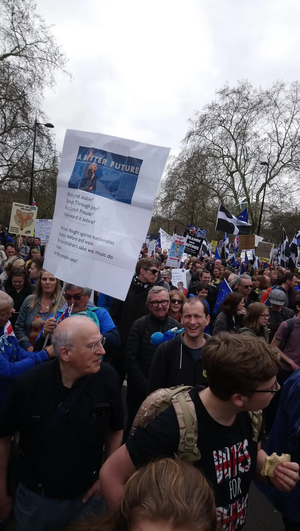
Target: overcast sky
141,69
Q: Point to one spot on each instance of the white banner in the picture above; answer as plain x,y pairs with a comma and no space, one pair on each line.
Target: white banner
22,219
42,229
176,251
106,188
165,240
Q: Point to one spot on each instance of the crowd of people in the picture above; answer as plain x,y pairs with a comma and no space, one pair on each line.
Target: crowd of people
68,354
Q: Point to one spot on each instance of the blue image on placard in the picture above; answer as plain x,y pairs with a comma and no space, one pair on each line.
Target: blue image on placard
105,174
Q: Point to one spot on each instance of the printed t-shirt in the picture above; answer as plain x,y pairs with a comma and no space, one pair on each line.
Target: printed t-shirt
228,456
291,348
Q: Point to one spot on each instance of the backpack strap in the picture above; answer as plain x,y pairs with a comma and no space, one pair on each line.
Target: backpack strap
256,421
188,426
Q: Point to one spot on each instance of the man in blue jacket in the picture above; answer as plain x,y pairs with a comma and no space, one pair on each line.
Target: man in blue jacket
13,359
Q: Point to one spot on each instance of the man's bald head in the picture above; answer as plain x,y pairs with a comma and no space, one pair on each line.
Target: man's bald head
71,330
5,300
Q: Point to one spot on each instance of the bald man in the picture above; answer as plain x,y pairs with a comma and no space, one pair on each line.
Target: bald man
67,411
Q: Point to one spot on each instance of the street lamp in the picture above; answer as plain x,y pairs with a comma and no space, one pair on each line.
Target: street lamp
263,199
36,123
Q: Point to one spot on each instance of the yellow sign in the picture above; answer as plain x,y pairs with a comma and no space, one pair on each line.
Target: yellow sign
22,219
214,245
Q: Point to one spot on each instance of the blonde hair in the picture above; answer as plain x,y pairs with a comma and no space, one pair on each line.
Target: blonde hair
34,299
169,491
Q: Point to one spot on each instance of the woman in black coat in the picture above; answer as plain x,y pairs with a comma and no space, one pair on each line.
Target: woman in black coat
229,319
18,286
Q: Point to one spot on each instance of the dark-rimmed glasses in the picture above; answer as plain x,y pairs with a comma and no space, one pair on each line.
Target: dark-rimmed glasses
274,391
153,271
156,304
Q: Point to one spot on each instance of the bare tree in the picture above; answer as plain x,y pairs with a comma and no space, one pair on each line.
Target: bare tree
29,59
231,136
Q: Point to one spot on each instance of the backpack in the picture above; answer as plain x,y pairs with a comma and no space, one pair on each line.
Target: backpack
179,397
289,329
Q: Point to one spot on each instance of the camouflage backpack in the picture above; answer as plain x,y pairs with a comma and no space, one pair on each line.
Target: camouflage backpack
184,407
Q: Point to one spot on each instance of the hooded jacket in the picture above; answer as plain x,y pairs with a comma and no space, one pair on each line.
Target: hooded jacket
173,364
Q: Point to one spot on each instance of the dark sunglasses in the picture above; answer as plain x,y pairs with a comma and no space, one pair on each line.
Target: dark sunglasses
274,391
76,297
153,271
175,301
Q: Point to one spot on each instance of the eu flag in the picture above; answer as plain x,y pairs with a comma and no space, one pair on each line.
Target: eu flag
224,290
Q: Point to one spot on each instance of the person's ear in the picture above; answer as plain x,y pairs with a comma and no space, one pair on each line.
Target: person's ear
238,400
64,354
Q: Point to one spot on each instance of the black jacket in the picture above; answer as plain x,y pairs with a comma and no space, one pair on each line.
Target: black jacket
124,313
139,351
226,323
173,364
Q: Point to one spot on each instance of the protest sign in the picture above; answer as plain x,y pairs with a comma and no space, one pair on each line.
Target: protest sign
106,188
179,280
165,240
214,244
151,248
247,242
42,229
263,249
194,237
22,219
176,251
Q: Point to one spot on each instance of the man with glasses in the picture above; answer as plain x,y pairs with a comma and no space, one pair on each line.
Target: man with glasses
67,411
244,287
124,313
241,375
78,298
140,352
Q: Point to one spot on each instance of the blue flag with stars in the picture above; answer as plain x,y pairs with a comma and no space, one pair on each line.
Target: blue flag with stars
243,216
222,294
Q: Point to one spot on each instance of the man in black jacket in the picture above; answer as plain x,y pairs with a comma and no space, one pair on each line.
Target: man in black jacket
139,350
124,313
179,361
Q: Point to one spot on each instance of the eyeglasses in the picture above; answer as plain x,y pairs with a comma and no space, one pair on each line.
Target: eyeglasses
156,304
246,287
76,297
97,344
274,391
265,315
153,271
175,301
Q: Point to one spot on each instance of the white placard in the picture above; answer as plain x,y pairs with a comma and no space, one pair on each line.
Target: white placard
165,240
176,251
151,248
104,202
179,275
42,229
22,219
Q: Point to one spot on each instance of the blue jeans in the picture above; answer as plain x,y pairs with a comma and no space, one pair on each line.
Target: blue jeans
34,512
